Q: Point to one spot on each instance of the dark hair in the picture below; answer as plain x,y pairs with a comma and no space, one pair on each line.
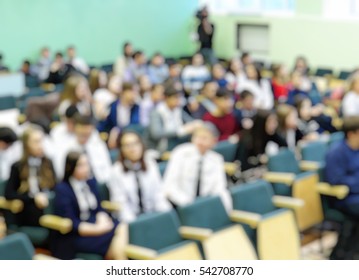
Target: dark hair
83,120
245,94
223,93
350,124
154,86
59,54
244,55
71,112
27,62
127,86
121,157
71,47
7,135
136,54
70,164
171,91
259,76
260,137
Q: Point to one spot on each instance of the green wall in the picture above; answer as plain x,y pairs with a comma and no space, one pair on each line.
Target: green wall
324,42
97,27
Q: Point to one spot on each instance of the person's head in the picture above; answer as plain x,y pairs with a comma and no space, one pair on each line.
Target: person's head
71,52
70,116
247,99
209,89
252,72
224,101
59,58
174,70
351,131
97,79
218,71
157,93
76,89
132,149
157,59
127,49
301,65
354,83
84,126
280,73
7,138
25,68
144,83
304,106
246,58
205,137
287,117
139,58
129,94
32,141
296,79
172,98
45,52
197,59
77,167
115,84
235,66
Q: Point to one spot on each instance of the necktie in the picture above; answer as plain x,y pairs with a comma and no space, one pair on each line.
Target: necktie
139,192
198,191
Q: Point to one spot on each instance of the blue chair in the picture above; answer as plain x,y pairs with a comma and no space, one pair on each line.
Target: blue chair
321,72
227,150
16,247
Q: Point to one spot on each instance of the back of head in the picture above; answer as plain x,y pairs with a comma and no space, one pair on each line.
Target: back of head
71,83
350,124
7,135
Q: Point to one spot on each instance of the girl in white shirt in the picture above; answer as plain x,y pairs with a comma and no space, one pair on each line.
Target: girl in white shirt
351,99
135,181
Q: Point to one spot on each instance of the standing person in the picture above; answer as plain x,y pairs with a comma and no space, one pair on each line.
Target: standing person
194,170
205,35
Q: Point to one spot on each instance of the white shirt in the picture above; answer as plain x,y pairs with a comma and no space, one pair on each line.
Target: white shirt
123,115
263,96
103,98
80,65
60,134
123,190
96,150
351,104
194,77
181,176
146,107
7,158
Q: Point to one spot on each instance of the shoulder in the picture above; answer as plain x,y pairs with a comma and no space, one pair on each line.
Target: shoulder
214,156
183,150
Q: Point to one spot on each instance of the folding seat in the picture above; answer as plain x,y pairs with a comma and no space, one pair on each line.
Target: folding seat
157,236
207,221
7,102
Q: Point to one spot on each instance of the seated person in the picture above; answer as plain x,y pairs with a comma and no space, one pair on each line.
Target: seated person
259,141
246,111
297,91
342,167
135,181
223,117
199,105
195,170
280,83
93,230
169,123
59,70
31,178
174,79
218,75
158,70
87,140
195,75
150,102
10,151
350,106
65,130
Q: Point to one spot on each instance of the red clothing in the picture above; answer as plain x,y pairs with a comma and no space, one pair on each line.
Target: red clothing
226,125
280,91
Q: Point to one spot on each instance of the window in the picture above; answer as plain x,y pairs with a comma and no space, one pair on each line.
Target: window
343,9
257,7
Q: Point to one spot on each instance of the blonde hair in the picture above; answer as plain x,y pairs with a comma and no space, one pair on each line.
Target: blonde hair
69,92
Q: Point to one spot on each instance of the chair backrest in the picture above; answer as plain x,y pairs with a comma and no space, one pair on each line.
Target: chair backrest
321,72
314,151
335,137
253,197
283,161
155,231
343,75
227,150
16,247
7,102
205,212
103,191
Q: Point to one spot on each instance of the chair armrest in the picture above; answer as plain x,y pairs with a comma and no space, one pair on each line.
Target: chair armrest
140,253
338,191
110,206
166,156
104,136
42,257
249,218
230,168
307,165
54,124
15,205
63,225
287,202
279,177
21,118
48,87
195,233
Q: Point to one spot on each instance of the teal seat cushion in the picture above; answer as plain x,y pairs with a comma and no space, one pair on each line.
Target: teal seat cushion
284,161
37,235
155,230
16,247
227,150
85,256
205,212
